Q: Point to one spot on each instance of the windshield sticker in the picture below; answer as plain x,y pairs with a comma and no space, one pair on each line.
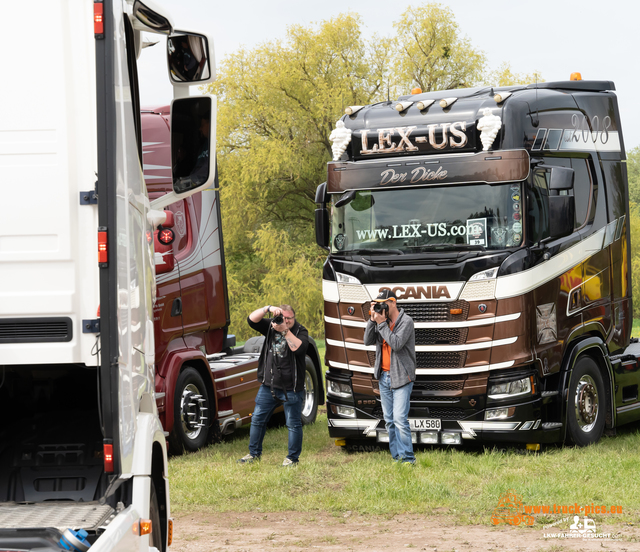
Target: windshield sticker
340,241
516,207
515,196
499,236
517,227
477,232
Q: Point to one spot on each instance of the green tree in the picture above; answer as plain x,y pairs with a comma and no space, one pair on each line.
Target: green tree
277,106
633,174
430,52
505,76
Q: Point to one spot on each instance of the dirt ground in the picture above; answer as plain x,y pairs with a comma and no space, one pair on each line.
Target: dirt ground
292,531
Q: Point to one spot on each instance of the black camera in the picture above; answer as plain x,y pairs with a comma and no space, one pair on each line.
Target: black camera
278,319
381,307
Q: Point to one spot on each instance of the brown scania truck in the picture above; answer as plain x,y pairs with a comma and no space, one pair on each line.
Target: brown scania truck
500,219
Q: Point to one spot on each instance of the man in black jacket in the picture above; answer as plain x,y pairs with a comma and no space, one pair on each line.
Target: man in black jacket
281,370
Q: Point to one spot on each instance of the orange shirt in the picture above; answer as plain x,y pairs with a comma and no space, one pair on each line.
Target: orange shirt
386,352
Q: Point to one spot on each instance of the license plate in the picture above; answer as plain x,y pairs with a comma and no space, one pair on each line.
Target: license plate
423,424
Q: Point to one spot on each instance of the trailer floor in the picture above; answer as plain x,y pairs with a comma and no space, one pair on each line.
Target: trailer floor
61,515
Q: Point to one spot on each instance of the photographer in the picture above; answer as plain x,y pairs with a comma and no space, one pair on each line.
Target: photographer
392,332
281,370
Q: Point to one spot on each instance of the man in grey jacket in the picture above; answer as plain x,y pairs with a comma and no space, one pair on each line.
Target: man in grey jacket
391,329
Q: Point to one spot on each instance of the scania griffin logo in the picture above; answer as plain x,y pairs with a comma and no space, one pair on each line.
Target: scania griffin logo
419,292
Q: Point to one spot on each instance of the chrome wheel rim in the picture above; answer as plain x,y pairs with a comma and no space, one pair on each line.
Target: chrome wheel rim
309,395
586,403
193,411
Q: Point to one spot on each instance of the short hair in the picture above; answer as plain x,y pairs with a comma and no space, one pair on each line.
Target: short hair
288,308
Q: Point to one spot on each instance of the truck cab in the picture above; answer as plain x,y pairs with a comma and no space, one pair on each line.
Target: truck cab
499,217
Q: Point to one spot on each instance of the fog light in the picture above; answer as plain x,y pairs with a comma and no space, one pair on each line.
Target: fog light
496,414
429,438
346,411
341,442
533,446
383,437
451,439
414,438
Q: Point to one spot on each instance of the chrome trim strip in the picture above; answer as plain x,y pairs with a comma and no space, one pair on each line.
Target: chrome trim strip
236,375
430,371
431,325
628,408
431,348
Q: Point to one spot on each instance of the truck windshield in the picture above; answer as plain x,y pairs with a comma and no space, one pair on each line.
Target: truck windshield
411,220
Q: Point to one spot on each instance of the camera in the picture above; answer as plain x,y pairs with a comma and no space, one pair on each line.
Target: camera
381,307
278,319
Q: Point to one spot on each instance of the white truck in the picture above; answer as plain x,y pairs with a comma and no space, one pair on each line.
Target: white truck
83,460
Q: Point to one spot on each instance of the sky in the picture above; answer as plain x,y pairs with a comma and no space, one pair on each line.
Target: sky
599,39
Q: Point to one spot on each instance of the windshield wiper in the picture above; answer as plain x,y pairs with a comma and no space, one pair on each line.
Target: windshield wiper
451,247
375,251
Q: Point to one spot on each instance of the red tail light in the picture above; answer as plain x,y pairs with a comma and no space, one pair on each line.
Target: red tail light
98,18
102,247
108,458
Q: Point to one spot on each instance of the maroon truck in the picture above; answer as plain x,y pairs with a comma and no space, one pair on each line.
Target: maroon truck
205,386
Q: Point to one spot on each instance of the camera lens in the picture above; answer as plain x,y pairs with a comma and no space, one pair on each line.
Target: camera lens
278,319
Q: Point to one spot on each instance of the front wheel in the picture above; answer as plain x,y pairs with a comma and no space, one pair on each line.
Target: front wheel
155,539
191,414
310,403
586,404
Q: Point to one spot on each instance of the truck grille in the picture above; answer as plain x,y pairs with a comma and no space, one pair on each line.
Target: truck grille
456,385
435,312
35,330
441,336
453,359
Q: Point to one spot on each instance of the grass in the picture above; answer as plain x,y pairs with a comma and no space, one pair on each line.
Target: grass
463,483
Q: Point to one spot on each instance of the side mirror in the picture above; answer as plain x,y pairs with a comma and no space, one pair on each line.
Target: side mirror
189,59
192,143
560,178
322,227
322,216
561,215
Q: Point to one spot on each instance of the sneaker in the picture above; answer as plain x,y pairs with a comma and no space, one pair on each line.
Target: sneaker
288,463
247,459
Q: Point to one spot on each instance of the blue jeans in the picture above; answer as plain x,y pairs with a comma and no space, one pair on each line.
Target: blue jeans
265,405
395,407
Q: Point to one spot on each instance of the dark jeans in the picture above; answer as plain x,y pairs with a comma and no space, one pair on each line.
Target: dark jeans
265,405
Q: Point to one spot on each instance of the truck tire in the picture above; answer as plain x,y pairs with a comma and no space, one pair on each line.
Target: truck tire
191,413
310,404
586,403
155,539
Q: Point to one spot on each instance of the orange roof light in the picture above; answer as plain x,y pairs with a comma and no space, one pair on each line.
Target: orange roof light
575,76
416,90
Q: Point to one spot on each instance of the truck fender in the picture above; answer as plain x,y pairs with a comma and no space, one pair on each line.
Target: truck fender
175,361
598,350
148,432
312,353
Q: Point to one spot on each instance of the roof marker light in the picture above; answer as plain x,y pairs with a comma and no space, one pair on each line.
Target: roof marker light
353,109
401,106
501,96
416,90
575,76
447,102
422,105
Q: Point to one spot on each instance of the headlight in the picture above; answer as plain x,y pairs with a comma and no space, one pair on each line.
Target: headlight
484,275
510,388
339,389
346,279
